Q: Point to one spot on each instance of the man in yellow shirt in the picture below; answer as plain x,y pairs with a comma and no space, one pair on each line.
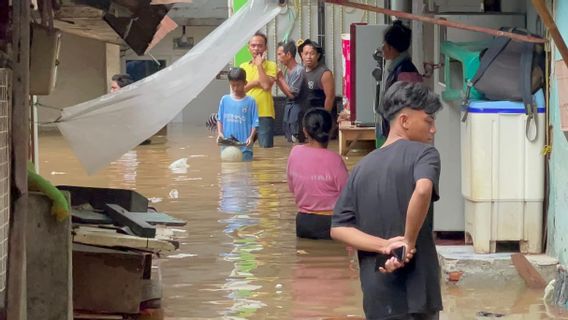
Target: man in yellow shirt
261,74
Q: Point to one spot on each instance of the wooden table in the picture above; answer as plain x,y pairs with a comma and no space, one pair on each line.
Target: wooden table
349,134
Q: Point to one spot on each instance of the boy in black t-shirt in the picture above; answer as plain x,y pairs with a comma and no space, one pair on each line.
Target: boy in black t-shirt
385,206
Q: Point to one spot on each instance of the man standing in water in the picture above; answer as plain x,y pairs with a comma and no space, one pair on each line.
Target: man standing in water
261,74
388,195
291,86
319,85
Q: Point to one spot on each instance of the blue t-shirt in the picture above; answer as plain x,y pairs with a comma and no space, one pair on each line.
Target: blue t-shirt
238,117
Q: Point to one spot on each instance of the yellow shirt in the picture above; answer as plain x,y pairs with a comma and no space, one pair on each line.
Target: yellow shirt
264,101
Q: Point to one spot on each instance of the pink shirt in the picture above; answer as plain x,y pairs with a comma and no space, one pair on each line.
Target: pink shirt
315,177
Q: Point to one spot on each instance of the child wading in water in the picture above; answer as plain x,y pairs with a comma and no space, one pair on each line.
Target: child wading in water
238,116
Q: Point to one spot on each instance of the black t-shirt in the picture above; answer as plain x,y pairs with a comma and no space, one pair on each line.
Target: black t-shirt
375,201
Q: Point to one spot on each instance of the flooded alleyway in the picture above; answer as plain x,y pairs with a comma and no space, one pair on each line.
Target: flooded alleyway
239,257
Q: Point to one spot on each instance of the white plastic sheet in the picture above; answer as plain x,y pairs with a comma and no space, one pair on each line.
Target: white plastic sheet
101,130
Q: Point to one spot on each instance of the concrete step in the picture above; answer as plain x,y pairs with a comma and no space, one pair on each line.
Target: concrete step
461,266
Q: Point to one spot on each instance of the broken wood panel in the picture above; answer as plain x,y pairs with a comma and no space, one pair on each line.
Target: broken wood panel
136,224
89,28
113,239
107,281
79,11
154,218
532,278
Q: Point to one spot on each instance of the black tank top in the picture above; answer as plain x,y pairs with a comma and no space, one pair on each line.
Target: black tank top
312,93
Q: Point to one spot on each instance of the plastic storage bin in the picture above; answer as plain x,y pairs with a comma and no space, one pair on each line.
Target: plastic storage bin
461,61
502,175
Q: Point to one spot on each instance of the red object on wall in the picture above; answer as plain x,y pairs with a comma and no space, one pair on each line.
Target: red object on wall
346,55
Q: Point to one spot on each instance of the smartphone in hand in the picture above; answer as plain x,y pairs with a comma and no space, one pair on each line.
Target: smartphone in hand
400,253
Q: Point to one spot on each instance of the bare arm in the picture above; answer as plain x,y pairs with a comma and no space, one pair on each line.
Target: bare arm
250,139
417,210
284,86
264,80
251,85
358,239
219,129
328,84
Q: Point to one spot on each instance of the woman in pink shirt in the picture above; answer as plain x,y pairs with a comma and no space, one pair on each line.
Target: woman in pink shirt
316,176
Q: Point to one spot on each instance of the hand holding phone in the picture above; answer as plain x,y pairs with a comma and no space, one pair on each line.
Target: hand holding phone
400,253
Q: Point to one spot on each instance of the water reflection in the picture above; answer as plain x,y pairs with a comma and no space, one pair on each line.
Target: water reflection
238,199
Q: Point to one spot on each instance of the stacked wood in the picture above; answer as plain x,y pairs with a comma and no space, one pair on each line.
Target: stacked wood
115,236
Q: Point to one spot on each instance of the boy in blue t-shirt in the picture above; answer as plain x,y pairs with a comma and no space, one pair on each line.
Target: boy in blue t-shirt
238,115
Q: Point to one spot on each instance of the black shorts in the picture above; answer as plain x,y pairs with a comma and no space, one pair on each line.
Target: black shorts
313,226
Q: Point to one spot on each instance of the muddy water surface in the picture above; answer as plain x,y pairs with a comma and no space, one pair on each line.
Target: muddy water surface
239,257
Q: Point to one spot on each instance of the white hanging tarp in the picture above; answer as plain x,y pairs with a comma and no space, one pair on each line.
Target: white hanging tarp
101,130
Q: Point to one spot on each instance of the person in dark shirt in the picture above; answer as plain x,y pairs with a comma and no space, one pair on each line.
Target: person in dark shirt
396,42
319,85
387,196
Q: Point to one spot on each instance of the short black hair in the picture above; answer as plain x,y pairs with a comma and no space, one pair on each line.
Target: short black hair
237,74
122,79
288,47
411,95
262,35
398,36
318,122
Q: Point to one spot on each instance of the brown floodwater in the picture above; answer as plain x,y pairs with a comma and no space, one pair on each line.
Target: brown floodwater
239,257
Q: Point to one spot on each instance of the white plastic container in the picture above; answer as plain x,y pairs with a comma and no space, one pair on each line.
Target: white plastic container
503,175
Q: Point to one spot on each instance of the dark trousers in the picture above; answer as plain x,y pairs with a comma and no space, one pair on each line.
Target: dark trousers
292,122
420,316
265,132
313,226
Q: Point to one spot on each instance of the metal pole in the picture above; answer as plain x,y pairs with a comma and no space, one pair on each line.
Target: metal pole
442,22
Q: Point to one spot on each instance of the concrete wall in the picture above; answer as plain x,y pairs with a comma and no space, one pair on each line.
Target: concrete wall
558,196
81,75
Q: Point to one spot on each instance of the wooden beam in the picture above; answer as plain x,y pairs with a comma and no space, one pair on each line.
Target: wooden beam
21,96
548,20
442,22
20,131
